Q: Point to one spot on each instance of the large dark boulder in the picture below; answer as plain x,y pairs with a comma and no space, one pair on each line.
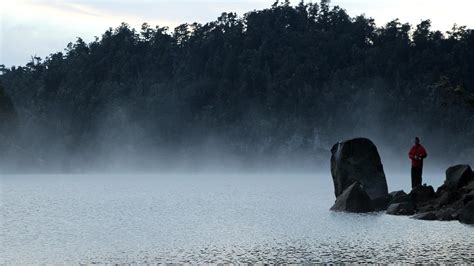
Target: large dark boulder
467,213
402,208
357,160
458,176
353,199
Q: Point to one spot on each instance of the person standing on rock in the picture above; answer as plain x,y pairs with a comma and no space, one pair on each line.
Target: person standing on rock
417,154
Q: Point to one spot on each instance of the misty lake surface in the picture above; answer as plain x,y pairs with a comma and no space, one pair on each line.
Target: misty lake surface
213,218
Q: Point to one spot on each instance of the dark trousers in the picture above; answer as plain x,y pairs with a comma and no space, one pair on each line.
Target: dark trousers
416,173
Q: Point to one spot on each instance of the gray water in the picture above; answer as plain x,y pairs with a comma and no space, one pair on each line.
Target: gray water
207,218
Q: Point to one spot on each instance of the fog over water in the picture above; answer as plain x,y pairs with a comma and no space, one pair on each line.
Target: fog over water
213,207
207,206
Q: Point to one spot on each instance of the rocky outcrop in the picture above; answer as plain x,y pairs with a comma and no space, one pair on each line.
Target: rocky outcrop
360,186
353,199
454,200
357,160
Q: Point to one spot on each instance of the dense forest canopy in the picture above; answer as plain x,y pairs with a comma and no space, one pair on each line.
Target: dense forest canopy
279,83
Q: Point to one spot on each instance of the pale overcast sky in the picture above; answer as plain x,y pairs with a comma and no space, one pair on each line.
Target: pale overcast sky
41,27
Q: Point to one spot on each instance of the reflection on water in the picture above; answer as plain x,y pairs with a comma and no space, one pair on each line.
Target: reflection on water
200,218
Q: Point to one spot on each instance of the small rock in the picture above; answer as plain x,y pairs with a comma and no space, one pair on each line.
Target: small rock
442,189
458,176
402,208
422,194
381,203
399,196
468,197
353,199
448,197
457,205
467,213
397,193
469,186
447,214
426,208
429,216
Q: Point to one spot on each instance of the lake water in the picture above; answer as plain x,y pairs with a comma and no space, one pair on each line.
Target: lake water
207,218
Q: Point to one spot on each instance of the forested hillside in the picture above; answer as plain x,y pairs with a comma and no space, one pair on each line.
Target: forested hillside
281,83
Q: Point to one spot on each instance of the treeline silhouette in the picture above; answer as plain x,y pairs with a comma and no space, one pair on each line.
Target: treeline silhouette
276,82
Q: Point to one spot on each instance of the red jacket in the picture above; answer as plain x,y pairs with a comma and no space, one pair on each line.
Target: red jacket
419,152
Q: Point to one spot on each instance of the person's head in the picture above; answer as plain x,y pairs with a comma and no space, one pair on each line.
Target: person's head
417,140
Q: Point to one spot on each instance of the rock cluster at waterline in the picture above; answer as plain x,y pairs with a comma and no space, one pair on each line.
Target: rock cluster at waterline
454,200
360,186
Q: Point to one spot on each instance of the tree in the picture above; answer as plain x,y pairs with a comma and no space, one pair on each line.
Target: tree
7,113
